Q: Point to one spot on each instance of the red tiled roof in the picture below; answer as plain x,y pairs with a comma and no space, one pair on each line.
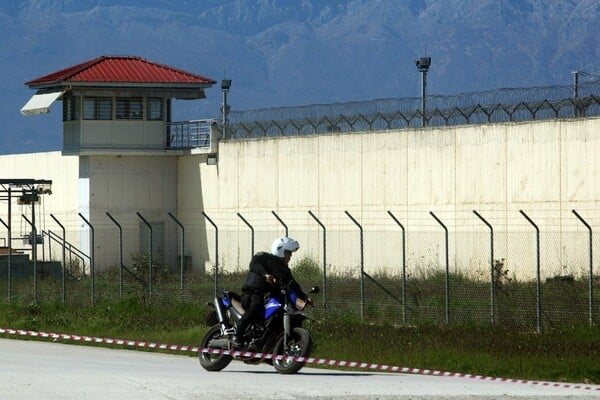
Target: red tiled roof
121,69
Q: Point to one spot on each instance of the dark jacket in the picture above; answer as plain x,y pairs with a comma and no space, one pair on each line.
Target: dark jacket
266,263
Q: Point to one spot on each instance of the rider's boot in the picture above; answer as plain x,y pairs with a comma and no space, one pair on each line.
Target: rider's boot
253,345
237,342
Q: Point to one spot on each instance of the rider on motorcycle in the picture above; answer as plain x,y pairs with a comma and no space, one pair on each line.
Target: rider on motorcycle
266,270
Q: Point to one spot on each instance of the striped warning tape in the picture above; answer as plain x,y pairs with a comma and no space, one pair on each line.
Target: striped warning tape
308,360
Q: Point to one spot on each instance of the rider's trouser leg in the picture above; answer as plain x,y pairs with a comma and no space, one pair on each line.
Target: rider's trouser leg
254,311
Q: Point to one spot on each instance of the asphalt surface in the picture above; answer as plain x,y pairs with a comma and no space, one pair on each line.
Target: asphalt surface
45,370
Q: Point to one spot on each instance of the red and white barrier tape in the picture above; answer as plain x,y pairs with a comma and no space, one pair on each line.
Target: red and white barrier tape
308,360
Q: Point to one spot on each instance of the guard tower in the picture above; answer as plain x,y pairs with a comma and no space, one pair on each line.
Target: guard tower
117,120
120,105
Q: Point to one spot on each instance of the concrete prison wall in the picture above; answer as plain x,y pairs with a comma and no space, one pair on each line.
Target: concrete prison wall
546,169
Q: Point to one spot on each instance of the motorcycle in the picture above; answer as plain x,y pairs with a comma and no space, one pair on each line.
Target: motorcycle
281,334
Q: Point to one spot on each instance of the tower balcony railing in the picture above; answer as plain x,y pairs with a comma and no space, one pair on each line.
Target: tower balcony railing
199,133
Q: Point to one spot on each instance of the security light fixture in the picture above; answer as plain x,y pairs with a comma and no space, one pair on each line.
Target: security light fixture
423,63
225,84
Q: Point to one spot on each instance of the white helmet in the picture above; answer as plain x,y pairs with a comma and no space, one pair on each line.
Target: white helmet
282,244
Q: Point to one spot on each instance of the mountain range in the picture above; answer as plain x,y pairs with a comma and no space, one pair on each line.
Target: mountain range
295,52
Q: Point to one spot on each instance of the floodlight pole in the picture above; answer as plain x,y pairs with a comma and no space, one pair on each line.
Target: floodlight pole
423,64
576,91
225,85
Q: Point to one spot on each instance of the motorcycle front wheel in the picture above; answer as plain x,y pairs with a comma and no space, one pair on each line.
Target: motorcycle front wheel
212,362
298,345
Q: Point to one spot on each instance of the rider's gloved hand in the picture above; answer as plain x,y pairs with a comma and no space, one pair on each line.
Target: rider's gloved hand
270,279
310,301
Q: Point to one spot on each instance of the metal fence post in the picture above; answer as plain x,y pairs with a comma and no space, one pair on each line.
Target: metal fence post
34,257
216,278
576,94
92,264
64,256
181,251
324,258
537,283
591,274
362,268
34,246
9,243
251,234
120,253
447,267
43,246
403,266
281,222
150,256
492,289
9,294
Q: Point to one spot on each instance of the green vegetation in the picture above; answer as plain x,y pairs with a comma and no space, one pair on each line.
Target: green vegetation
568,354
411,333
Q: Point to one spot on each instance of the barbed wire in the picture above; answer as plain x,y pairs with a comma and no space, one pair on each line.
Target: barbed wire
494,106
591,77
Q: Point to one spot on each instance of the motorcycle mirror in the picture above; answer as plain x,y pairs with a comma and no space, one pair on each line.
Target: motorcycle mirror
315,289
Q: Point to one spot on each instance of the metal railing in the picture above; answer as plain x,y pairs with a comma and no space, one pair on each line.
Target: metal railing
189,134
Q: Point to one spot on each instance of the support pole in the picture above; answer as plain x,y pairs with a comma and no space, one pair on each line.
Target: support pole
150,255
538,307
403,266
64,257
9,295
216,277
251,233
181,251
591,273
423,64
492,289
324,258
281,222
447,267
576,93
34,237
120,253
92,265
362,268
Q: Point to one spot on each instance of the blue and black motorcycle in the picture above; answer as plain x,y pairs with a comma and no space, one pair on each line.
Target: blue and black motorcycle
282,332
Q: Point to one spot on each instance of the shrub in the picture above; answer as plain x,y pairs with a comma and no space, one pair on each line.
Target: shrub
308,269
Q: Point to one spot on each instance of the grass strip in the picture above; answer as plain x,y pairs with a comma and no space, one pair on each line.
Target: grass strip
568,354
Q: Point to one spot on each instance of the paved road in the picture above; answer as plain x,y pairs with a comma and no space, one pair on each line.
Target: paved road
44,370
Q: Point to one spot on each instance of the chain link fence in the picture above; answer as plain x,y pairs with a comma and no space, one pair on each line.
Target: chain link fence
473,271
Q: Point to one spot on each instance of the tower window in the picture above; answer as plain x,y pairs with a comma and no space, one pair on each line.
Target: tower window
71,108
130,108
155,109
97,108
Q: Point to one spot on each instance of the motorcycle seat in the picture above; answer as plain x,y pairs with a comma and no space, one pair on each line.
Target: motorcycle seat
235,300
238,306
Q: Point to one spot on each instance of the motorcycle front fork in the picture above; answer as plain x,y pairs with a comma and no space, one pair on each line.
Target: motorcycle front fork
225,331
287,328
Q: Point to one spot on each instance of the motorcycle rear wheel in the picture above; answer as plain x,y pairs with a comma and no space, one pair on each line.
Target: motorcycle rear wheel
299,345
212,362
